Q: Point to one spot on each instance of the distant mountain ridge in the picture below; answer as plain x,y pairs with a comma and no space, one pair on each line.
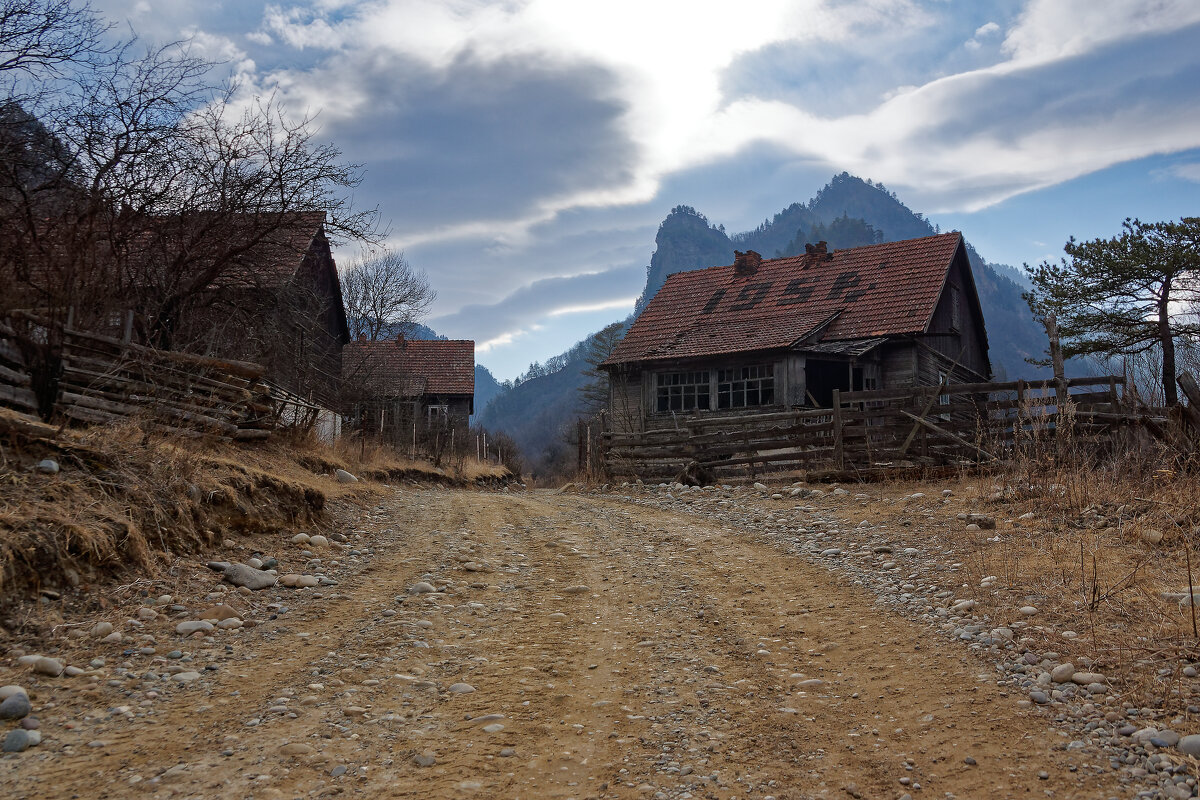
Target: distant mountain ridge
535,411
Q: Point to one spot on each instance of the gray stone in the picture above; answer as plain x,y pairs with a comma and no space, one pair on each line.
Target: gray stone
48,666
15,706
1084,678
425,759
17,741
422,588
1062,673
48,466
338,771
9,690
251,578
192,625
185,677
344,477
982,520
1039,697
461,688
31,723
1190,745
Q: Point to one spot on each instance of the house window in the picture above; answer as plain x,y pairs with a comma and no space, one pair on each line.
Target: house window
437,414
683,391
955,309
746,386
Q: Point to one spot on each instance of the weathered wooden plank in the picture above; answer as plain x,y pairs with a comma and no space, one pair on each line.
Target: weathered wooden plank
98,417
954,437
13,377
251,434
26,425
18,396
130,410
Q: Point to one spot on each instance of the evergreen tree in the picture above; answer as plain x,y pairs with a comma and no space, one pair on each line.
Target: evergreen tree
1125,295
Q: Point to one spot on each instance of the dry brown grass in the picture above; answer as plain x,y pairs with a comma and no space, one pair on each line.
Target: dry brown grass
1103,553
128,501
381,462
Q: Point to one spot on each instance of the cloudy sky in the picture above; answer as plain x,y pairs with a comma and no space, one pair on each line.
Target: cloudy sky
524,151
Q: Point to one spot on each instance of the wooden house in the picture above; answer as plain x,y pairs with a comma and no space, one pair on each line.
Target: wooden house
407,387
770,334
278,303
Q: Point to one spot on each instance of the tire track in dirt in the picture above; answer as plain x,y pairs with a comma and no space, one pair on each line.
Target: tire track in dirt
680,670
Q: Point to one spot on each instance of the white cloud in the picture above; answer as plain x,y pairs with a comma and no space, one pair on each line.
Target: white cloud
618,304
1189,172
397,81
666,58
985,31
1053,29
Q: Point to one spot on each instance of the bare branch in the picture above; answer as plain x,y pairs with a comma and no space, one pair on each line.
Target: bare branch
384,295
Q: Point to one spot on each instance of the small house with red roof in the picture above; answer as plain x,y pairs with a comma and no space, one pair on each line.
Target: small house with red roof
398,383
769,334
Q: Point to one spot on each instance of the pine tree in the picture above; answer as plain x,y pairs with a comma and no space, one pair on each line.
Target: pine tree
1127,294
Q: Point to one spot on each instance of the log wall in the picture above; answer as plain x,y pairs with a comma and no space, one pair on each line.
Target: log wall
99,379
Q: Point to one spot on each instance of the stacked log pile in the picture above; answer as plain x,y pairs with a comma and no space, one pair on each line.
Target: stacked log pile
878,430
101,379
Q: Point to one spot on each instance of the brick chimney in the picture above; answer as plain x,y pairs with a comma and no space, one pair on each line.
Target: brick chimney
746,263
819,251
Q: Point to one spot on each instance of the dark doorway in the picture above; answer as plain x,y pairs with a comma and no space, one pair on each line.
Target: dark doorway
822,377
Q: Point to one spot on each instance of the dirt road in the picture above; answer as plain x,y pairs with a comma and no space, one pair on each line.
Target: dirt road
578,647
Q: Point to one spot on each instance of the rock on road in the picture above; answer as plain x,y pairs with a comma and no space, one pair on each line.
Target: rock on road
565,647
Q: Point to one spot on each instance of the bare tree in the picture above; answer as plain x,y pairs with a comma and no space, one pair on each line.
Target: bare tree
384,295
43,36
132,185
594,395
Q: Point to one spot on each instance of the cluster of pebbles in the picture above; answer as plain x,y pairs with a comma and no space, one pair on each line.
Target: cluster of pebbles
924,583
166,643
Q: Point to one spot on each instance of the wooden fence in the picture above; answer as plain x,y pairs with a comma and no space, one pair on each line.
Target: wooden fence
875,430
101,379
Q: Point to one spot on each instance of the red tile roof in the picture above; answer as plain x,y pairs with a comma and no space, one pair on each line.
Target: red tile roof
412,367
879,290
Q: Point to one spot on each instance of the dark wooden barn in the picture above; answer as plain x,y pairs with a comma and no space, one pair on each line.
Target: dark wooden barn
764,334
408,387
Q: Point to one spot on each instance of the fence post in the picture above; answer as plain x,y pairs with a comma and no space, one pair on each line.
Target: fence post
839,451
1056,360
1060,383
579,455
1019,425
